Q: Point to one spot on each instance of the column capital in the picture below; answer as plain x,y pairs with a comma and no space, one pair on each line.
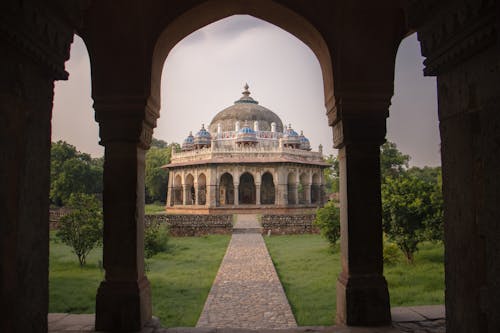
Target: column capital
360,117
126,118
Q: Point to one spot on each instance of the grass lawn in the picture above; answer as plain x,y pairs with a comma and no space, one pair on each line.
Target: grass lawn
308,271
154,208
180,279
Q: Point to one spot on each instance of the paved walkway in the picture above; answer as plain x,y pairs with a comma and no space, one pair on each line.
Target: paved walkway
247,292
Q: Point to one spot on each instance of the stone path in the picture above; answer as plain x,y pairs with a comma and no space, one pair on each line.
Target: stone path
247,292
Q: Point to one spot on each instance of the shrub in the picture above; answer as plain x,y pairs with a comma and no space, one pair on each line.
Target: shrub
155,238
391,253
328,221
81,228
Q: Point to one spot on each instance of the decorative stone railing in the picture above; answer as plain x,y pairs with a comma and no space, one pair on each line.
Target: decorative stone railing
259,152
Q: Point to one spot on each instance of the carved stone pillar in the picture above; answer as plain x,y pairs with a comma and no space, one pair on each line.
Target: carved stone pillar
124,297
236,194
257,193
196,195
186,192
460,40
170,192
307,193
212,187
34,44
362,294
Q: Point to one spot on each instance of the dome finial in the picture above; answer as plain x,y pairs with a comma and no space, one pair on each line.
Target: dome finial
246,92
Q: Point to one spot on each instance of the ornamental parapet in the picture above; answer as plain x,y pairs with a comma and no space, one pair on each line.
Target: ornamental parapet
246,153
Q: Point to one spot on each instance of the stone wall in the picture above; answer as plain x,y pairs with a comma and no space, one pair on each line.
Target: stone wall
194,225
288,224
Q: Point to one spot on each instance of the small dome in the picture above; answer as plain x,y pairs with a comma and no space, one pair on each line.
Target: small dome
246,134
202,138
188,142
290,137
304,142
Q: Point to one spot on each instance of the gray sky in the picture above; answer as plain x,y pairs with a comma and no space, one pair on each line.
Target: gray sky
206,72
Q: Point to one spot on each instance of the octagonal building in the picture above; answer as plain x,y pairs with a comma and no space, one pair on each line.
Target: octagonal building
245,161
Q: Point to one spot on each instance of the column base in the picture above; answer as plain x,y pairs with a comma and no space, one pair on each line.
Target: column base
124,306
363,301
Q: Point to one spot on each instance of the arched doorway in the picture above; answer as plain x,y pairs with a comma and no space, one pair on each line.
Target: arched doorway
189,193
177,190
302,189
267,191
315,189
246,192
202,189
226,190
292,189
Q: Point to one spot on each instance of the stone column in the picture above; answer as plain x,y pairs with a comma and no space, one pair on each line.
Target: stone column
35,44
196,195
124,297
307,192
257,193
464,58
362,294
186,194
170,193
236,194
212,187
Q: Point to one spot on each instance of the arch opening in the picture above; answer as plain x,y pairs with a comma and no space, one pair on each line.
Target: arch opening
246,189
226,190
267,190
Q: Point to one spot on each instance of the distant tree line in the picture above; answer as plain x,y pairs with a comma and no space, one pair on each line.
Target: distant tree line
72,171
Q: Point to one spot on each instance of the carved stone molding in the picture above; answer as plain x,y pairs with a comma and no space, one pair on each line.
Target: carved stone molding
40,31
450,32
126,118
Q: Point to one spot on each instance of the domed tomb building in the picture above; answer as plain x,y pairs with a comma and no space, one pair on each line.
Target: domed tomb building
245,161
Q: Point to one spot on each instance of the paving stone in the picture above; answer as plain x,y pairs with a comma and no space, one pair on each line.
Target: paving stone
430,312
405,314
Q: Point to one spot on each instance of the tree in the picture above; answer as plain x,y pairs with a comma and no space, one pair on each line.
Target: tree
331,175
392,161
72,172
156,178
81,229
328,221
408,207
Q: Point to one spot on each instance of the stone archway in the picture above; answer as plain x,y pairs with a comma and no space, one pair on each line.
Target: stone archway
189,191
226,190
177,197
202,190
315,189
246,191
267,189
292,188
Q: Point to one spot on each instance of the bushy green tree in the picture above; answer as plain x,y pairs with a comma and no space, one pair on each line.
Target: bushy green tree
81,228
328,221
72,172
407,209
392,161
156,178
331,175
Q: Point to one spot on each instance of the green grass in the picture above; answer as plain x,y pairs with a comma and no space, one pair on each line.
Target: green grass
180,279
308,271
154,208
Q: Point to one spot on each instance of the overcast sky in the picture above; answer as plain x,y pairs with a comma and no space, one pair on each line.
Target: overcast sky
207,70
